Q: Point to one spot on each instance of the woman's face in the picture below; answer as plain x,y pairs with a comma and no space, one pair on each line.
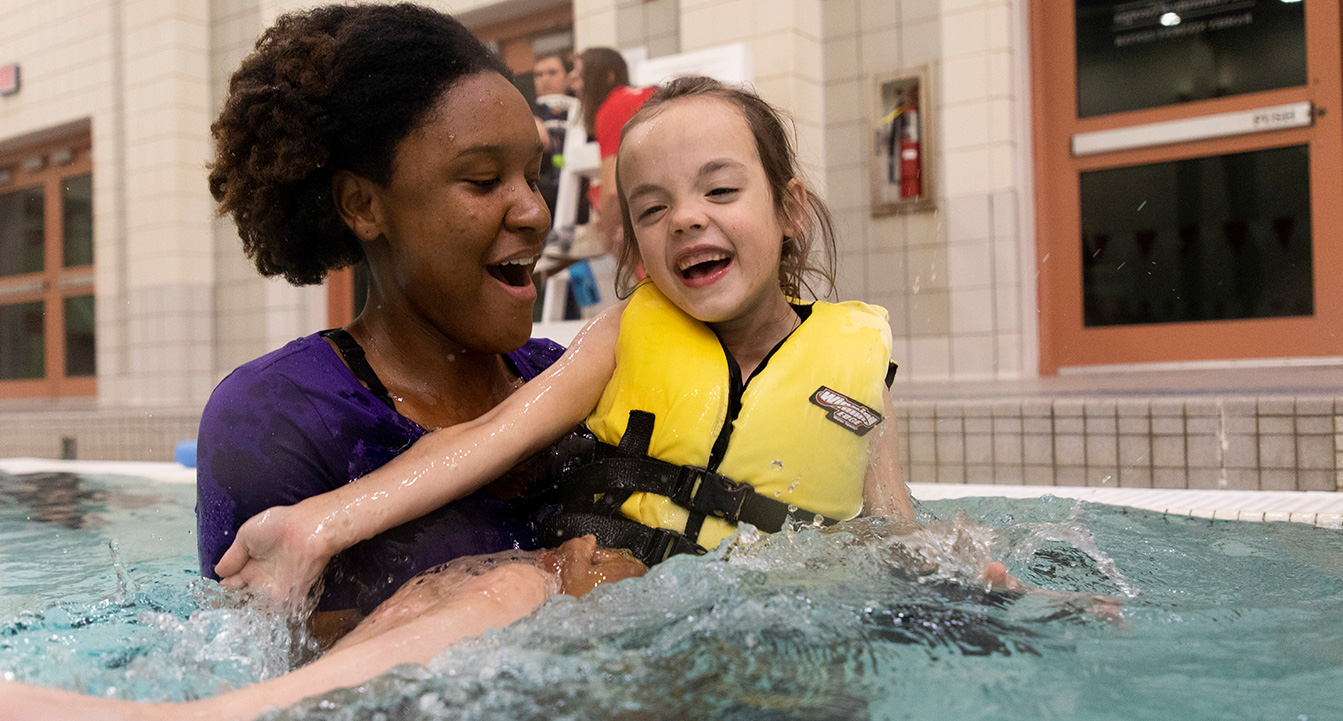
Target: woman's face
576,77
463,219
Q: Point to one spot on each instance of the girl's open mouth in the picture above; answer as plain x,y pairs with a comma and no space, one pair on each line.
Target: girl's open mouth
704,266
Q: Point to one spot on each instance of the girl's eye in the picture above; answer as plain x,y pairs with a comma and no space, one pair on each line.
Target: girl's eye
722,192
650,211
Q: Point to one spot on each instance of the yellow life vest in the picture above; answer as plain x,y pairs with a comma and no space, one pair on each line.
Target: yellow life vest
800,435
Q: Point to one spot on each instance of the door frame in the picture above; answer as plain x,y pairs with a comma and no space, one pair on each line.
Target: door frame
1064,339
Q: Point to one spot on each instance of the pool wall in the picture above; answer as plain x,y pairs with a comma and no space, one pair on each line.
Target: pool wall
102,434
1241,442
1246,441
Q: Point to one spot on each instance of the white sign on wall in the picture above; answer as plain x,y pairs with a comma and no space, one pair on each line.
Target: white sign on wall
1276,117
728,63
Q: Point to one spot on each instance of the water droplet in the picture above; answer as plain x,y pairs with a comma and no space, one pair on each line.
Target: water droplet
778,493
776,465
792,508
818,520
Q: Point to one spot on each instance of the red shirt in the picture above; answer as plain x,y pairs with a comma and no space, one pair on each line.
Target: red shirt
616,110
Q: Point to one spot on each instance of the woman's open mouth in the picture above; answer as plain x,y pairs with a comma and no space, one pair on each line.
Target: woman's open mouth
513,273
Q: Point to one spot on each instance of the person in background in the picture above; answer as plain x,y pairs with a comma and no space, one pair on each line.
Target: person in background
601,80
385,135
550,75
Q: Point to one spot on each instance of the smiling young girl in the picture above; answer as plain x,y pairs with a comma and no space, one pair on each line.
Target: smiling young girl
747,403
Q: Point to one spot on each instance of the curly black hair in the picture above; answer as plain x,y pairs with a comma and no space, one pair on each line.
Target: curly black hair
333,88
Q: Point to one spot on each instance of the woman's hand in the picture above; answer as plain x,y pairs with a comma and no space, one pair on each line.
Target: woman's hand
280,552
582,565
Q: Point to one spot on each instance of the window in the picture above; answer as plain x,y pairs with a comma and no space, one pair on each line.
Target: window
47,309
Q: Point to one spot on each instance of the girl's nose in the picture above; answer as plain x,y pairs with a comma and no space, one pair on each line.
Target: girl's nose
687,217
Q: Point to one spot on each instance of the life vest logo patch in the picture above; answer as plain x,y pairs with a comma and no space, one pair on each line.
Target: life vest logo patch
848,413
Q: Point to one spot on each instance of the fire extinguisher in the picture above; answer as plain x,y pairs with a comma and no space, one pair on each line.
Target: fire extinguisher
911,182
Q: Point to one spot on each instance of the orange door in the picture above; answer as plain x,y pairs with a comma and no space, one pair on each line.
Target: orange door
1178,234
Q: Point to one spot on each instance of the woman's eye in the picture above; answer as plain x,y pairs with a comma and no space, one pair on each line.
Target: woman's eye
483,183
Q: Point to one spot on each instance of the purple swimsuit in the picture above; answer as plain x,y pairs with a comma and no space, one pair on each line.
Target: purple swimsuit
295,423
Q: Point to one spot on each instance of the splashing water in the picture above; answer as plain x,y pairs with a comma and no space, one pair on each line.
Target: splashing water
1221,620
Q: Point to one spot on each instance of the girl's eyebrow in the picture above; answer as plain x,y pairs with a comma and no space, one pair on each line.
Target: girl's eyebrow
714,166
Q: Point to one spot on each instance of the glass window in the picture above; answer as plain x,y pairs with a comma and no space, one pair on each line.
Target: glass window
79,347
22,341
1150,53
77,210
22,231
1212,238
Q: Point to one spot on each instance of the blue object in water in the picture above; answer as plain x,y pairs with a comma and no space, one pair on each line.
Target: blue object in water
185,453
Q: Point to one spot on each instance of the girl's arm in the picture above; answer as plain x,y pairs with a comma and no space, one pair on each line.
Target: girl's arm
282,551
884,491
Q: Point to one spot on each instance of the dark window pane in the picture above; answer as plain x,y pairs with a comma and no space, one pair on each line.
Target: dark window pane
22,235
1150,53
79,346
22,341
1212,238
77,207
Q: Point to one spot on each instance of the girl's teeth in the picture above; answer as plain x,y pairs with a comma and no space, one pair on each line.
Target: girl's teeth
686,264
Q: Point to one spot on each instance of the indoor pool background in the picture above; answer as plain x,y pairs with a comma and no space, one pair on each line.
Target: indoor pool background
1221,620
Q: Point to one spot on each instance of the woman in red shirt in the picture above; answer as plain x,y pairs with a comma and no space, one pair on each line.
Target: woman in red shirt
601,80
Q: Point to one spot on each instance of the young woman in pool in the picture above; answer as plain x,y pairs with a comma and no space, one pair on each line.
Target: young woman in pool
788,398
386,135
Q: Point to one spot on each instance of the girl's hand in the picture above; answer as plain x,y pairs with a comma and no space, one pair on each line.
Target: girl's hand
280,552
1104,608
996,575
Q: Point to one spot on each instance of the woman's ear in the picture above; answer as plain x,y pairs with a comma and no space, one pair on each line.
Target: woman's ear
794,204
357,204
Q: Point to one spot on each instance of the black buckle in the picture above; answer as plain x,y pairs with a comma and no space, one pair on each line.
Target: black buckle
706,492
664,543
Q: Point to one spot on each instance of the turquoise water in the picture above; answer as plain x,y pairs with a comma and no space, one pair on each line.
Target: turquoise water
1221,620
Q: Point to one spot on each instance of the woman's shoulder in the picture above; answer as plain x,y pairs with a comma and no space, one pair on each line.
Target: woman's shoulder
536,355
304,361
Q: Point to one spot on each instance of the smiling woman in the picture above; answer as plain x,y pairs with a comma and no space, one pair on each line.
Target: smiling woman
386,135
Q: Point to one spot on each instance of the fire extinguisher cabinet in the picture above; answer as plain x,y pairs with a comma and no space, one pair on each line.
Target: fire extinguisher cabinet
901,177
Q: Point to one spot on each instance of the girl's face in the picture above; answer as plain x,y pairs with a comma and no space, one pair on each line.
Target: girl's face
463,219
704,218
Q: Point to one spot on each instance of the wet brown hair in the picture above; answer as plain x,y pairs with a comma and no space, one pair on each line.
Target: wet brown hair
604,70
333,88
778,156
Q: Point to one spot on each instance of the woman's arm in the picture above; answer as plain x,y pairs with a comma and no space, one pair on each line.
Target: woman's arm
282,551
884,490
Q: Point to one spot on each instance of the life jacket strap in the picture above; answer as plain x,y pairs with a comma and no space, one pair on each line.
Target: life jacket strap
691,487
649,545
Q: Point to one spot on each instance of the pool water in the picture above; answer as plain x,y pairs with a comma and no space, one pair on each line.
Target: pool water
1220,620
